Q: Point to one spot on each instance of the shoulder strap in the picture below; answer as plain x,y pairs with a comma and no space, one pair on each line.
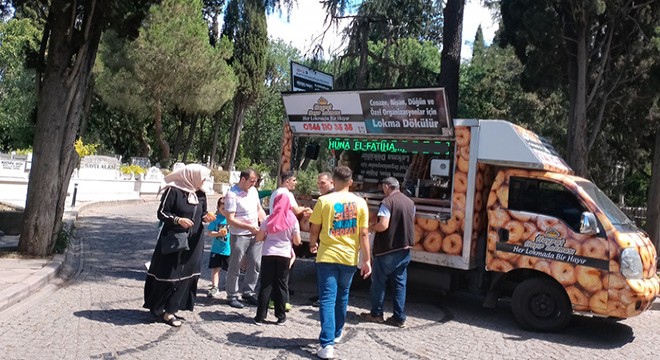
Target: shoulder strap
193,219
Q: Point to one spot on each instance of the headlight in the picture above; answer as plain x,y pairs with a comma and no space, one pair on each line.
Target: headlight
631,264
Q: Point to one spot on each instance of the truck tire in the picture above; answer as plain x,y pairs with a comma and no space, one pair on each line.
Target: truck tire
541,304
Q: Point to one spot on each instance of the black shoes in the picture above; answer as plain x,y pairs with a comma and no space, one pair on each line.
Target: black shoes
236,304
251,299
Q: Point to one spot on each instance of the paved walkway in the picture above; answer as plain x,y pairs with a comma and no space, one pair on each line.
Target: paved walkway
21,277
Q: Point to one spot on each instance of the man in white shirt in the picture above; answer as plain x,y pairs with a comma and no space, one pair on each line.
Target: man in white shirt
288,183
244,212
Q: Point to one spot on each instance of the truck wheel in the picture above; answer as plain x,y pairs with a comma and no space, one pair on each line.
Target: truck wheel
540,304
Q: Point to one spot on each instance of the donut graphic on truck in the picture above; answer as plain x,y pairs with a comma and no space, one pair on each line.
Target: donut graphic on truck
498,211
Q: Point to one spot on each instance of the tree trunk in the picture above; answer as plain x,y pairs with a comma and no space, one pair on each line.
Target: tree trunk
87,106
72,47
158,129
202,154
214,141
178,141
450,60
235,134
577,124
145,148
653,203
361,81
191,137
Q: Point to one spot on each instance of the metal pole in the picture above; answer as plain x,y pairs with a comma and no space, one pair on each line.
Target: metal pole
75,193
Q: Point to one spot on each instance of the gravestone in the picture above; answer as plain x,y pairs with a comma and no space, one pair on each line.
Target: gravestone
234,177
177,166
12,167
142,162
99,168
153,174
150,182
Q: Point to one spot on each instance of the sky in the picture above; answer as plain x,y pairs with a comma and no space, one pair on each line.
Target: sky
306,24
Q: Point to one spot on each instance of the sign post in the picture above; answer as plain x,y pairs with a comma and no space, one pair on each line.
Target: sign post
304,78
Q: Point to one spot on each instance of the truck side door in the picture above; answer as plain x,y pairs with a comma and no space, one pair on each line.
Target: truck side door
538,227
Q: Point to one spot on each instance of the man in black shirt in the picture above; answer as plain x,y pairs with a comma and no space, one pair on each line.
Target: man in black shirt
391,252
325,183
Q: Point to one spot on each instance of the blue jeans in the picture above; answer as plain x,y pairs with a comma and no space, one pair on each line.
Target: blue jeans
392,266
334,282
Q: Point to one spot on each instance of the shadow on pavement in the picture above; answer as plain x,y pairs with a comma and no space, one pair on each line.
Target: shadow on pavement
583,331
119,317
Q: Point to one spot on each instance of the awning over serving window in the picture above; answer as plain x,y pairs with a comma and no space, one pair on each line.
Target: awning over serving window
503,143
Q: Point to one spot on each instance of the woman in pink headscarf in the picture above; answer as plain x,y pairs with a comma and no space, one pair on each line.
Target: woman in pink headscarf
278,232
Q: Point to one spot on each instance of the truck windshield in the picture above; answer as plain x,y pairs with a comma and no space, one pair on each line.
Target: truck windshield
613,213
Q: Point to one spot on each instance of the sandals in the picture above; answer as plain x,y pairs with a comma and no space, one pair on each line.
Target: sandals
172,320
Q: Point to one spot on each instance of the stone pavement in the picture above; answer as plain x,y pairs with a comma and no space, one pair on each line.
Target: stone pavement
21,277
98,314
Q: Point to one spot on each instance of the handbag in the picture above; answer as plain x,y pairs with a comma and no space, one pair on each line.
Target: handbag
173,242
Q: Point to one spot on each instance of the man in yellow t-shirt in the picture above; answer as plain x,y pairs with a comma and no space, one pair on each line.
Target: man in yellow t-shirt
340,221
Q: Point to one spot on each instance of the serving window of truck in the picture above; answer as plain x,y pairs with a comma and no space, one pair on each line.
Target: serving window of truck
406,134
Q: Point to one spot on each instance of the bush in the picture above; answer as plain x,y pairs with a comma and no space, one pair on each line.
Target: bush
84,150
132,169
306,182
220,176
62,241
24,151
269,184
244,163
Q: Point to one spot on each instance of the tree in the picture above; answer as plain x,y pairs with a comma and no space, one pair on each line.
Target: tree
245,25
603,46
479,45
653,203
171,66
263,121
64,63
387,23
17,93
490,88
407,62
450,63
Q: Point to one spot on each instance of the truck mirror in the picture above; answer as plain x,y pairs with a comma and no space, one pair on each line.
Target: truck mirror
588,223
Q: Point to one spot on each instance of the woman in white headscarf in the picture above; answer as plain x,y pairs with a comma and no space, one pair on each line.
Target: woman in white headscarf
171,283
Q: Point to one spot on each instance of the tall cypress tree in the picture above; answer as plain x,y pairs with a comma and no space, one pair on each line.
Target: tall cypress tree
245,26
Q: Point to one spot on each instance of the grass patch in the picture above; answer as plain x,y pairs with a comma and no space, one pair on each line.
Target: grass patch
62,241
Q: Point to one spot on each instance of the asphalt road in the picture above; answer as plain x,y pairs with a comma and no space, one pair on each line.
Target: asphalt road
99,315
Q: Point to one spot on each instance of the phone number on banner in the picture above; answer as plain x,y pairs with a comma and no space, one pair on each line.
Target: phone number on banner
320,127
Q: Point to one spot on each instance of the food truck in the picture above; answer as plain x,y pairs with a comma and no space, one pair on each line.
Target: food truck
498,211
